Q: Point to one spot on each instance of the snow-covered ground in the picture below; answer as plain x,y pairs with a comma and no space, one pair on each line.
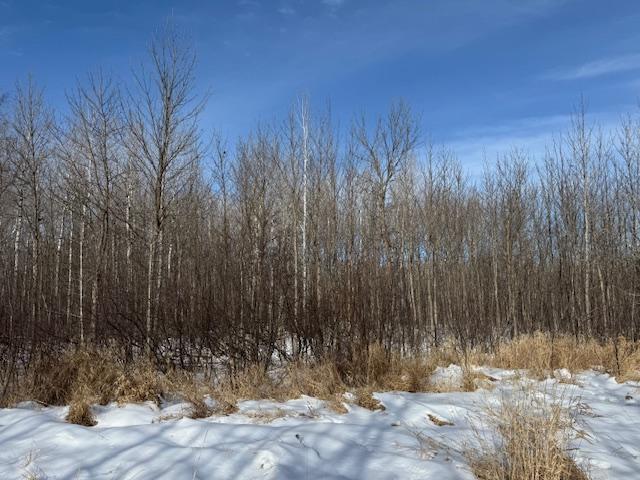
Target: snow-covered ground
302,439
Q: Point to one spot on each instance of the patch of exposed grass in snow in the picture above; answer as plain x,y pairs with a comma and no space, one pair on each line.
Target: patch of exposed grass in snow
527,438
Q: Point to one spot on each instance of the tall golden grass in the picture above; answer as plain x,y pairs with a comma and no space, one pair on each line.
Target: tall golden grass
88,376
528,439
541,353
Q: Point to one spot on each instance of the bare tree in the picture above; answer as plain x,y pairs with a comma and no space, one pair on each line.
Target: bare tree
32,124
163,139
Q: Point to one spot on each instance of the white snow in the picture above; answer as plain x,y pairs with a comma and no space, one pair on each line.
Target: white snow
302,439
448,378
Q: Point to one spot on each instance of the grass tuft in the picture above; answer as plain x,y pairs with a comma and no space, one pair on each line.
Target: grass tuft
365,399
529,440
80,411
439,421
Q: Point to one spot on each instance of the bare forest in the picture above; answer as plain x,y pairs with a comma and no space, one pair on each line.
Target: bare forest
124,222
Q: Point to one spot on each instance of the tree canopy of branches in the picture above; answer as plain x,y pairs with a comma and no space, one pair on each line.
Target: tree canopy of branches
123,223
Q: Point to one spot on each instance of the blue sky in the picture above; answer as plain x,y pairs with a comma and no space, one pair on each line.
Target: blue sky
485,75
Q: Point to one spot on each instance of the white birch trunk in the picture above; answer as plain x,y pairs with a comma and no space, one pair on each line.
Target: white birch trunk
81,276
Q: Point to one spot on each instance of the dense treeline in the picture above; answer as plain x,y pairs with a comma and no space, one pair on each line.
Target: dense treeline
123,222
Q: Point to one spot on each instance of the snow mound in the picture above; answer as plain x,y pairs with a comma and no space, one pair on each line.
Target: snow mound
448,378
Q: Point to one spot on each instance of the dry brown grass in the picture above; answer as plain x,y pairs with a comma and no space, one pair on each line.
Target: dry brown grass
365,399
321,380
190,389
626,360
472,380
541,354
84,377
531,433
372,370
377,368
99,375
267,416
439,421
80,410
250,384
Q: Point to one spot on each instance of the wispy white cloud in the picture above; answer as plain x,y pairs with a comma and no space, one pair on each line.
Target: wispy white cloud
5,31
286,10
325,48
597,68
531,136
